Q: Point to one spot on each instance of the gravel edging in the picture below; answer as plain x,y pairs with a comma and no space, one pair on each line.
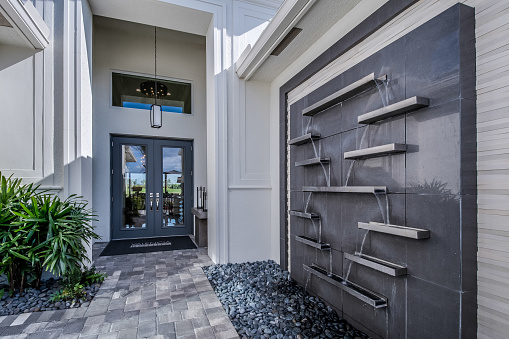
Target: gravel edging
262,301
37,300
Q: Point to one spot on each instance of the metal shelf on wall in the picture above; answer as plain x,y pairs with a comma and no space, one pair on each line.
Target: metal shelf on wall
345,189
377,264
312,162
304,139
312,242
369,297
404,106
343,94
376,151
305,215
400,231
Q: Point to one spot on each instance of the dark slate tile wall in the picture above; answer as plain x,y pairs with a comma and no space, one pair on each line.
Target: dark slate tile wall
431,186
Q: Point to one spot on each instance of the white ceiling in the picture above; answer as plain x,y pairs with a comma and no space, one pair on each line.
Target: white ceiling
318,20
154,13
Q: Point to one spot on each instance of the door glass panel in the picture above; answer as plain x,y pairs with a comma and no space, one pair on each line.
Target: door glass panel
134,172
173,186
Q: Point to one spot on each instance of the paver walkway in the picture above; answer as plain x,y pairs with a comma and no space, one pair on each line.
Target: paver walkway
149,295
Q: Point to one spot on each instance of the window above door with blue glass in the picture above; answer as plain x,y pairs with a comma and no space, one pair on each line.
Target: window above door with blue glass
139,92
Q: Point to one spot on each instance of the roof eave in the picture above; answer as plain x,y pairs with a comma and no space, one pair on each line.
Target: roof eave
25,18
288,15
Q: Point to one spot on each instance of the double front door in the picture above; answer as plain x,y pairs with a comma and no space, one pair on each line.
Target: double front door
152,187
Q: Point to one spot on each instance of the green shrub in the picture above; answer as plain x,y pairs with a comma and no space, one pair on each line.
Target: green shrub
61,229
41,232
15,262
86,278
69,292
74,283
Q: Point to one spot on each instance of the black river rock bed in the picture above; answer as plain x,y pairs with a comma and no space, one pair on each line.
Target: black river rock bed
262,301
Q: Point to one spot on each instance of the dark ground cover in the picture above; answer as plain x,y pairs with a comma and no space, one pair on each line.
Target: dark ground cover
262,301
37,300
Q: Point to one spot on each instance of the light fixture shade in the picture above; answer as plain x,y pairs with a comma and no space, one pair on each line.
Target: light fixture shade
156,116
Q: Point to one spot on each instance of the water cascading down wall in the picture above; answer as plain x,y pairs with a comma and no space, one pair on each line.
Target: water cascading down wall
382,187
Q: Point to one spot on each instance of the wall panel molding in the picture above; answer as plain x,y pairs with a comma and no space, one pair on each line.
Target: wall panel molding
248,151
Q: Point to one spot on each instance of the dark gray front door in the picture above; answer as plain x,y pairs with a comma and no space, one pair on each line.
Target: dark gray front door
152,187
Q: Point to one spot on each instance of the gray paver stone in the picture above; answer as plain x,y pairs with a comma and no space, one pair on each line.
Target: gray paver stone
146,329
204,332
74,326
124,324
184,328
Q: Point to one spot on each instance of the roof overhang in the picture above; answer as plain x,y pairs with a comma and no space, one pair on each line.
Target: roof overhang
288,15
22,25
319,24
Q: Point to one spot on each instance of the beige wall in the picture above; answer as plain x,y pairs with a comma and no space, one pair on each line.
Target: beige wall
129,47
492,34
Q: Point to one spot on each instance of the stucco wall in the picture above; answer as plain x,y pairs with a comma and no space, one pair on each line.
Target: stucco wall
46,103
20,121
249,207
130,47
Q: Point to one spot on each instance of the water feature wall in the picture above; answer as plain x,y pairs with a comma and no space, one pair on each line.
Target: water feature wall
382,186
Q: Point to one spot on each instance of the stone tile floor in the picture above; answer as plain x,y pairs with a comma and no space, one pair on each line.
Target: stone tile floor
149,295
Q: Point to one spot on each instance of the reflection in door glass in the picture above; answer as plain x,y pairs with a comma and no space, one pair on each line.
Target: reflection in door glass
134,172
173,186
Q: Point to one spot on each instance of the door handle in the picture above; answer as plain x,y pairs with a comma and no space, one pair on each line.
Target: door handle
151,200
157,202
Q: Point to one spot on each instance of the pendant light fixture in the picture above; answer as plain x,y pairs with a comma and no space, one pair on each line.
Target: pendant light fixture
156,113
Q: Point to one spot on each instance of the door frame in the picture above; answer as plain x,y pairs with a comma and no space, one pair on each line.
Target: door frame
188,146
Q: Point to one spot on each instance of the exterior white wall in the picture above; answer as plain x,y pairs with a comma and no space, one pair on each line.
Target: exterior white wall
50,92
249,207
130,52
46,102
21,123
79,169
26,116
250,232
213,231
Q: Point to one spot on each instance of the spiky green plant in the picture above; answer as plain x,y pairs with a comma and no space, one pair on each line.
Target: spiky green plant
40,232
14,262
62,228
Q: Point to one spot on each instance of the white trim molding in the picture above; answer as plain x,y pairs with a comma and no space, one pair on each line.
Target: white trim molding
274,4
25,18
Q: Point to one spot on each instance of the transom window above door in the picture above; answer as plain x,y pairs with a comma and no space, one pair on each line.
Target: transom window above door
133,91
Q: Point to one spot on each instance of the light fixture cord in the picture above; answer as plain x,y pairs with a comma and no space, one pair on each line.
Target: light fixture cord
155,60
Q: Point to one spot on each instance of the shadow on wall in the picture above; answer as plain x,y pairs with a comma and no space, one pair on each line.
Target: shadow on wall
12,55
73,178
435,187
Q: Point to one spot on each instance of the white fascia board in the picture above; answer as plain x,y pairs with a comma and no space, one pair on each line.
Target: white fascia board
285,19
265,3
28,21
